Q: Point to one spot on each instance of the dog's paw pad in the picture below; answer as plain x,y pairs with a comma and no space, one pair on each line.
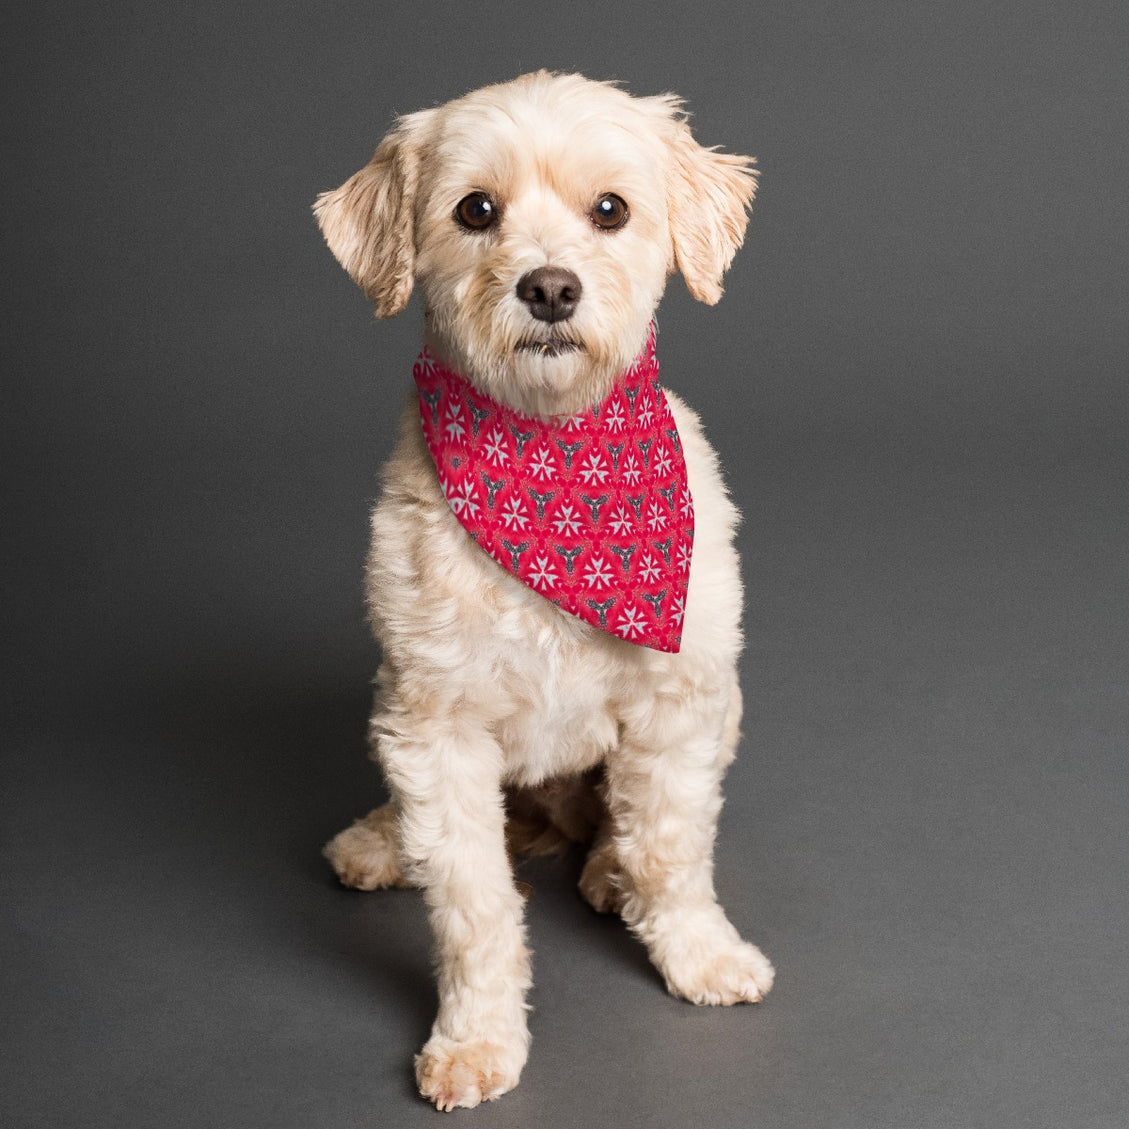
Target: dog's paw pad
465,1074
739,973
366,856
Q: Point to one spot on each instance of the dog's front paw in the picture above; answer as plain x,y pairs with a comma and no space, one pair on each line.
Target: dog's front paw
461,1075
734,974
731,972
366,856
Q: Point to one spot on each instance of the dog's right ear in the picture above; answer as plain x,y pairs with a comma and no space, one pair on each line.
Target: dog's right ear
368,222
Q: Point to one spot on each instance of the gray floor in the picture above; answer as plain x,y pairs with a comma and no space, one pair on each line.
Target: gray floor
917,383
926,830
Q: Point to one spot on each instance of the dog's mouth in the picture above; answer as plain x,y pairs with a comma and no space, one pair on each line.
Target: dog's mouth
554,347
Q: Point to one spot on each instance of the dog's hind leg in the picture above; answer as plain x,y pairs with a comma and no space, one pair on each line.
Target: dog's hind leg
601,884
366,856
664,794
549,818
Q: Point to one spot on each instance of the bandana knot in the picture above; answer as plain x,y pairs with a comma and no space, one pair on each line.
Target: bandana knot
591,511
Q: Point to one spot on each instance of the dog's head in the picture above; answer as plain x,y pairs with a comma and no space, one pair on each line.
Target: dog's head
541,219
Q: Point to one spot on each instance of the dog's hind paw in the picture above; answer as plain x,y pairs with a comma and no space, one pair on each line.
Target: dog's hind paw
461,1075
366,856
600,881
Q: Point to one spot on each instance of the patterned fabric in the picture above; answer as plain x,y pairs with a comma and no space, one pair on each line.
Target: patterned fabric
591,511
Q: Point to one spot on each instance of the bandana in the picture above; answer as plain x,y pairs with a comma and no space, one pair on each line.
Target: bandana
591,511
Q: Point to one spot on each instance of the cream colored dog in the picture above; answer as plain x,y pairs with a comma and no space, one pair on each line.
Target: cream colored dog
492,701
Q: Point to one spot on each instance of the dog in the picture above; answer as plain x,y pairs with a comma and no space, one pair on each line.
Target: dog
540,220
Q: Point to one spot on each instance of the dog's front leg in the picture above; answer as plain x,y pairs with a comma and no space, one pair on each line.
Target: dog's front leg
446,776
664,795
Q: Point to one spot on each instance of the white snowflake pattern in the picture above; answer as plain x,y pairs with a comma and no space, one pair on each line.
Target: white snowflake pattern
632,623
463,499
649,570
679,609
687,506
631,472
595,469
656,519
599,572
542,463
453,418
514,515
567,520
645,413
616,419
620,522
496,448
542,572
684,550
662,460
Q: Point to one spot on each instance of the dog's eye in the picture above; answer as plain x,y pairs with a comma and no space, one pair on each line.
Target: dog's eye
609,212
476,212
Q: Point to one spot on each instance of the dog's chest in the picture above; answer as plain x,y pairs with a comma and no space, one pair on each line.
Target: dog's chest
560,723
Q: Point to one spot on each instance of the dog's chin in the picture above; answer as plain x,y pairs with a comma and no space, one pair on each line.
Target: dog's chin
557,376
546,375
548,378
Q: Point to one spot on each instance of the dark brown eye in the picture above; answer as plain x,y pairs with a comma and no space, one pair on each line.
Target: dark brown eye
609,212
476,212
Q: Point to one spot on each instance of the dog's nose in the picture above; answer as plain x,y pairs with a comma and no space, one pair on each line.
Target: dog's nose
551,293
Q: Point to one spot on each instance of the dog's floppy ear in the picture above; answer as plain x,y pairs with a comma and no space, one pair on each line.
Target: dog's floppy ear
709,198
368,222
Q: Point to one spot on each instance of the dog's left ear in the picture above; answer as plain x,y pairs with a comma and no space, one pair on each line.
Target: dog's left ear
369,221
709,198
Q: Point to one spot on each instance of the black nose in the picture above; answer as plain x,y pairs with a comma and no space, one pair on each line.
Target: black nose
551,293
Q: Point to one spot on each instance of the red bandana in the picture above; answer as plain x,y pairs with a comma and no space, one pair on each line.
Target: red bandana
591,511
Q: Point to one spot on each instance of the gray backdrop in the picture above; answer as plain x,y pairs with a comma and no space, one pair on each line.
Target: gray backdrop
917,382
